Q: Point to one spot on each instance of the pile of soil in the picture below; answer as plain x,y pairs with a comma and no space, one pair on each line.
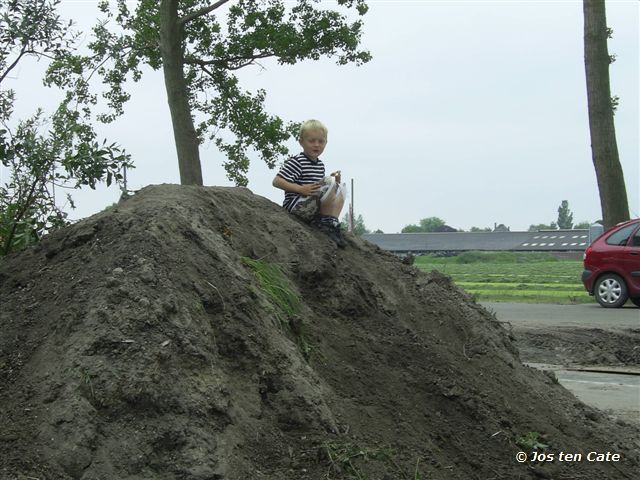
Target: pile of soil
140,344
584,346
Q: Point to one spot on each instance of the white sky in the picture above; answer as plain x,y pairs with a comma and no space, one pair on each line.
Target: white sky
471,111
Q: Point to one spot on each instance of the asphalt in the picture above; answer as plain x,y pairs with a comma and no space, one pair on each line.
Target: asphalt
615,393
533,315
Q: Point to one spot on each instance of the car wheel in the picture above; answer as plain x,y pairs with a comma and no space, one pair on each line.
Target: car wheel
610,291
636,301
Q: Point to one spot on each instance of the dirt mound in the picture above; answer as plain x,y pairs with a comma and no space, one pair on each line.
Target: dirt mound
204,333
585,346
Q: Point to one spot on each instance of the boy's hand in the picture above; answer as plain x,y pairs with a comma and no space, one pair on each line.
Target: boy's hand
309,190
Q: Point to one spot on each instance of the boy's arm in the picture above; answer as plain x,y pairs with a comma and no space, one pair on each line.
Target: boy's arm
304,190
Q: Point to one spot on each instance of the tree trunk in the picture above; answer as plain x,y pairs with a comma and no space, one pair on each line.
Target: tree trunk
604,149
184,132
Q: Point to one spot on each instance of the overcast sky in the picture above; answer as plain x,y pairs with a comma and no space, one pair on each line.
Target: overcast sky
471,111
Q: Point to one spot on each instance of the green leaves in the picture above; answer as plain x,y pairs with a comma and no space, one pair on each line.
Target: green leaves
257,30
213,43
275,285
41,154
359,227
565,215
31,27
530,441
430,224
243,115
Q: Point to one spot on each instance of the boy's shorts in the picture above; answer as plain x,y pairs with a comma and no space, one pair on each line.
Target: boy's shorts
307,208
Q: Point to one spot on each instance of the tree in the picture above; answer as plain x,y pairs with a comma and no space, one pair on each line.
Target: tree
478,229
565,216
604,149
582,226
411,229
359,228
429,224
199,55
542,226
42,153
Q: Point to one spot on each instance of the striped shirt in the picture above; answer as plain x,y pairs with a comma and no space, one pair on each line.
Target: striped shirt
300,170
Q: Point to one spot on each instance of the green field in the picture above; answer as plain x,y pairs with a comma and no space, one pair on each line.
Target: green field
511,277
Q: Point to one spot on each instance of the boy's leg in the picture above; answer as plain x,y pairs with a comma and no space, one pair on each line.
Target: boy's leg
328,218
332,205
306,209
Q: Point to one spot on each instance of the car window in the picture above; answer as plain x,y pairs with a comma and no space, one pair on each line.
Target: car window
635,241
621,237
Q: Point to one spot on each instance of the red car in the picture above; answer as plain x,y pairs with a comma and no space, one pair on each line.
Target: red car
612,265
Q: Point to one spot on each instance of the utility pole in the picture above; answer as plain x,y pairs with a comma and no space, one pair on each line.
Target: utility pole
351,209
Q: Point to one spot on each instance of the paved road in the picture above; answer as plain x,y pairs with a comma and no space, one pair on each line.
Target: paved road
620,393
533,315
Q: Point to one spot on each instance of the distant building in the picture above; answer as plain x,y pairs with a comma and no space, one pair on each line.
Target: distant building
456,242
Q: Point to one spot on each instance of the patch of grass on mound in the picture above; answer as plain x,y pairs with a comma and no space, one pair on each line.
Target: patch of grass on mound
275,284
531,441
344,459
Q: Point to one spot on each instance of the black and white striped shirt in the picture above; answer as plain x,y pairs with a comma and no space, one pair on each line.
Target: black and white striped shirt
301,170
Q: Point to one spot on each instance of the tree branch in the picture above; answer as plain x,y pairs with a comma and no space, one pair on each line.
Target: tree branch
125,51
207,71
23,51
18,217
199,13
245,61
241,65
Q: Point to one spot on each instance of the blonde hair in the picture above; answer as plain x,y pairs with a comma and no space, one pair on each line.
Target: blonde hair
309,125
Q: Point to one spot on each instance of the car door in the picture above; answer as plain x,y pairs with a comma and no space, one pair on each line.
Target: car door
632,263
614,254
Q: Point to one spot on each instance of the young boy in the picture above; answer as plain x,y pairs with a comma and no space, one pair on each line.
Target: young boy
302,177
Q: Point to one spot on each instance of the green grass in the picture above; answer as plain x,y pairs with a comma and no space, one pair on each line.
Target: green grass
513,277
345,459
275,284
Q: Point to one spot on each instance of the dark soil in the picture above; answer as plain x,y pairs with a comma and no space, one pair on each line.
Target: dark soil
585,346
137,344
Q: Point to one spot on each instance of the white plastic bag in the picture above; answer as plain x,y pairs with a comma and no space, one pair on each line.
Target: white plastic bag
331,190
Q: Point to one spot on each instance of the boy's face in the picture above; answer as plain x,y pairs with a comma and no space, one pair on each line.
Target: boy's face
313,143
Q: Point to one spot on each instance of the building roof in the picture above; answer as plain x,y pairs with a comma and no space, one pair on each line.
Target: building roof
551,240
